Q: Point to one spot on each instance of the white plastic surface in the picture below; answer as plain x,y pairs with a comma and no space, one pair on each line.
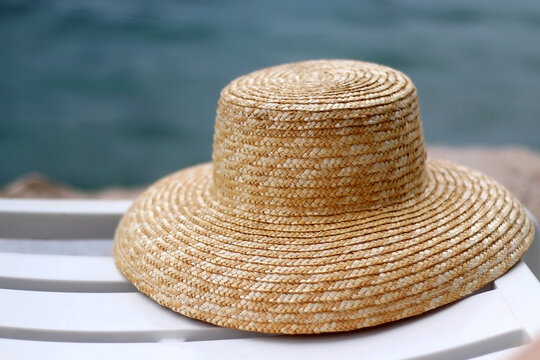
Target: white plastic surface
60,219
99,317
65,307
474,326
502,355
61,273
521,292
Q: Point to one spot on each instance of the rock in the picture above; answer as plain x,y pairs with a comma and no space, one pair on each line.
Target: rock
38,186
35,185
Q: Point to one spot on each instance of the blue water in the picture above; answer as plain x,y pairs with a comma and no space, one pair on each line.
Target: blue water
103,92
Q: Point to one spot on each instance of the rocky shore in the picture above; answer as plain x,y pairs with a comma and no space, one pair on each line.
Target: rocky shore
517,168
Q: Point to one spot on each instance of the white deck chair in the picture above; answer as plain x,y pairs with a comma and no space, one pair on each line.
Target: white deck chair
56,305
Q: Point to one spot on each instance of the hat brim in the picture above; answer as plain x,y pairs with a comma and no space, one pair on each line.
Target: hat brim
257,272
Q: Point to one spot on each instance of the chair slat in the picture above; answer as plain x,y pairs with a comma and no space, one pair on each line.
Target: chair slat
60,219
520,289
474,326
98,317
51,350
503,354
22,349
80,247
61,273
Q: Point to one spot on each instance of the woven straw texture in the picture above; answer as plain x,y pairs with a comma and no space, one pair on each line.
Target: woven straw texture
320,211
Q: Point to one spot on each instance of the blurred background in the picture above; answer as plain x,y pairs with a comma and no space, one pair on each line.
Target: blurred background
120,93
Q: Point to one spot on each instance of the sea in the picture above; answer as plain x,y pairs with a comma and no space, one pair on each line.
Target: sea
120,93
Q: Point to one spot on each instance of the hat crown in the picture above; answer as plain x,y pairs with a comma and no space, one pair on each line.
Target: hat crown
318,138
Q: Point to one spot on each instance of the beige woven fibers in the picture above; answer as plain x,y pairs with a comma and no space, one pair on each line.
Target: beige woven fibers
320,212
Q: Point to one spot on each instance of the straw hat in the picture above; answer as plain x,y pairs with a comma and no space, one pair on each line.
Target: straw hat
320,211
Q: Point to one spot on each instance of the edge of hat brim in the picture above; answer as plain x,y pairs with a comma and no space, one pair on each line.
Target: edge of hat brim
153,286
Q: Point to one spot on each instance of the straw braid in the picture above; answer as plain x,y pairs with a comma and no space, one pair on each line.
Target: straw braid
320,212
375,160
